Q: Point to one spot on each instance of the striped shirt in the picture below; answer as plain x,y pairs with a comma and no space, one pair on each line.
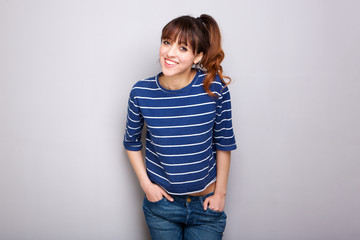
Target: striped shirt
184,129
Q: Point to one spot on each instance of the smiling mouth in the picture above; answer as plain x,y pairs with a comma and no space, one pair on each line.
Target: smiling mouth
170,62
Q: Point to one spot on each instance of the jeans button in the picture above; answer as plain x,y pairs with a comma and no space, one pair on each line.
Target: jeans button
188,199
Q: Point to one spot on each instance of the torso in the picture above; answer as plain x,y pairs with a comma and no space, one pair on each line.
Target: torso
209,189
179,138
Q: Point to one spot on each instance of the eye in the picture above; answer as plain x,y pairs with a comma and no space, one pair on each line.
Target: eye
166,42
182,48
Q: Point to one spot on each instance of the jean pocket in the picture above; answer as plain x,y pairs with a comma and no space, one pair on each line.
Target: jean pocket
208,209
213,211
147,200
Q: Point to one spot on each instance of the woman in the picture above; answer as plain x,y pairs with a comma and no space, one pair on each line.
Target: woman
189,135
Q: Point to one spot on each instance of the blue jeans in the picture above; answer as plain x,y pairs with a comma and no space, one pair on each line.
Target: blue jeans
183,219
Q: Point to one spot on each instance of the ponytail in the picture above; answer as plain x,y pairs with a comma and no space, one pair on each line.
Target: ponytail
212,59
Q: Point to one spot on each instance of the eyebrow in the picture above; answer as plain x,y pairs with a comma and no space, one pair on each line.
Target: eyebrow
187,44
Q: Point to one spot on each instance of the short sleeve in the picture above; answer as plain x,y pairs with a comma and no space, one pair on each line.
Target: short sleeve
134,125
224,137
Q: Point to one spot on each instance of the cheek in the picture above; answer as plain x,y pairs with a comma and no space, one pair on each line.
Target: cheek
189,60
161,51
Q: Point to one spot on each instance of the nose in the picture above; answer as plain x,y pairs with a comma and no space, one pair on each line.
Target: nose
172,50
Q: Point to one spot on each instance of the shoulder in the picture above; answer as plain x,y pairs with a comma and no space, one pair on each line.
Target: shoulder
144,85
217,81
147,82
217,86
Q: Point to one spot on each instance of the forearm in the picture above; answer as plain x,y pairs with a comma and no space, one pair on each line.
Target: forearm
152,191
217,201
137,162
223,167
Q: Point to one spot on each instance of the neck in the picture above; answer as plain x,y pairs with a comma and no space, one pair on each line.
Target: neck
177,82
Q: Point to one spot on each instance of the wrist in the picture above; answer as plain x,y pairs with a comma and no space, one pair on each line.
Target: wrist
145,183
221,193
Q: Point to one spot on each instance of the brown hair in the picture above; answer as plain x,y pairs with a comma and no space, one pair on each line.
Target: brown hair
203,35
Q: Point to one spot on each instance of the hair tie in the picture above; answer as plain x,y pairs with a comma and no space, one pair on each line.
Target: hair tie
199,20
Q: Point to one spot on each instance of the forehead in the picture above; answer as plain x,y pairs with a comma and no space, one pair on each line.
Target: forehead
181,36
177,39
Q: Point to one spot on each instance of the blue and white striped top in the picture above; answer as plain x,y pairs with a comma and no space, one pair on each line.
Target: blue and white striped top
184,129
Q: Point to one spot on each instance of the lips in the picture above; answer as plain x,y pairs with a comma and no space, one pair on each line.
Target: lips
170,63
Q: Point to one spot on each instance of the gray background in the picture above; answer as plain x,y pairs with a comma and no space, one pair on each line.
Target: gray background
66,69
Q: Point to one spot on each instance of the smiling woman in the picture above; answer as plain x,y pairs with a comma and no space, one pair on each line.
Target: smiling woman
202,37
187,110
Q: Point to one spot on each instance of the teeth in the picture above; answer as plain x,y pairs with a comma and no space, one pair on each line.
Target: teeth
170,62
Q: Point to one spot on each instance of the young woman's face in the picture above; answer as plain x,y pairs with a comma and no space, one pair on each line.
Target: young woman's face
177,59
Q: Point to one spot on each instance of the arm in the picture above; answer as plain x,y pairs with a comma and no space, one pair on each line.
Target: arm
217,201
152,191
224,140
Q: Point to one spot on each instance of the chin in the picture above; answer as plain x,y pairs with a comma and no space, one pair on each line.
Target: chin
167,72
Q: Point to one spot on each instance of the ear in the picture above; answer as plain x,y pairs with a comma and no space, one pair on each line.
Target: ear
198,57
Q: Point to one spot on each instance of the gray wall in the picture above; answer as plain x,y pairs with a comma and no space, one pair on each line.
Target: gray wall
66,68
